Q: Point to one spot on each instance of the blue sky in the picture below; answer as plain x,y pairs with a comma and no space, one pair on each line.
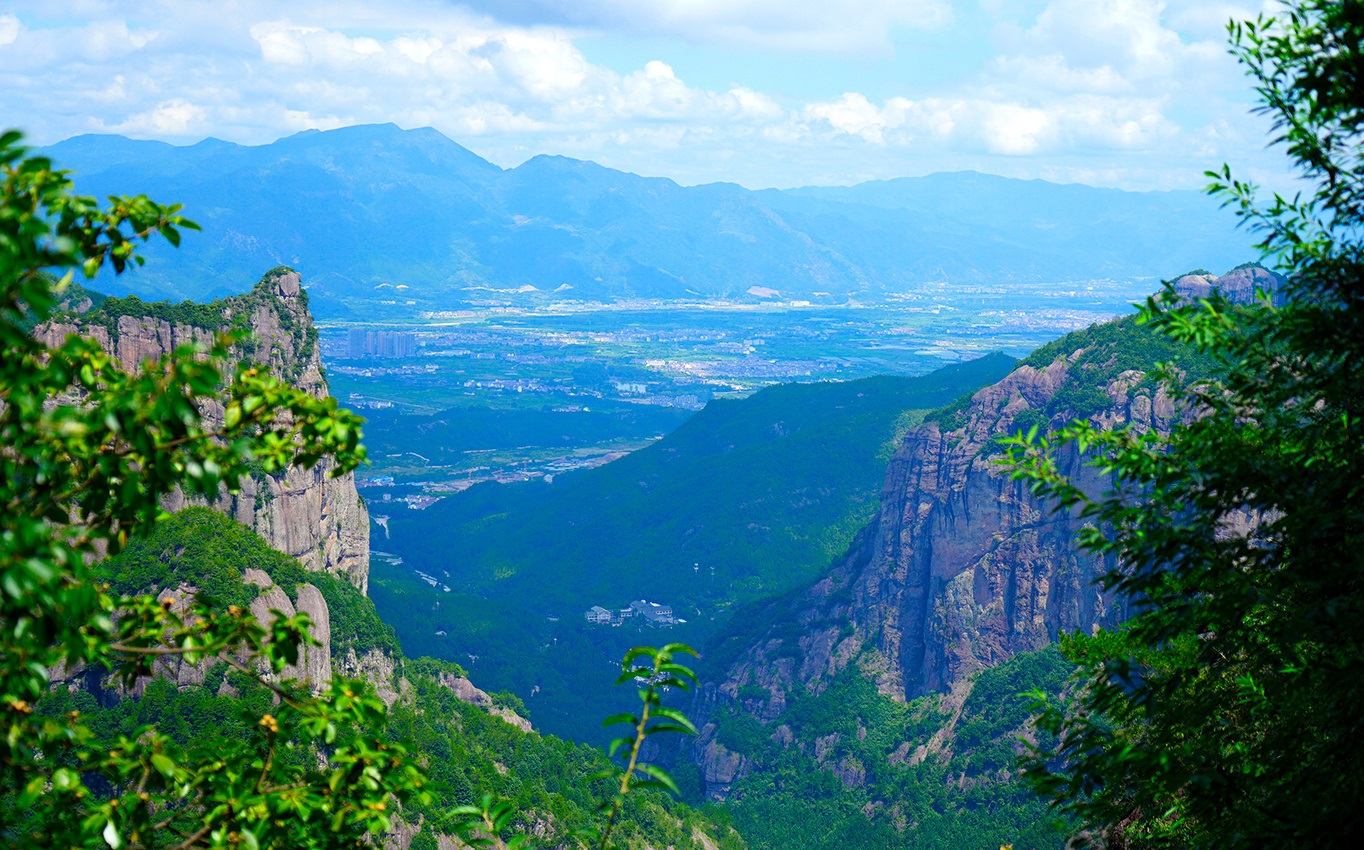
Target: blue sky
1129,93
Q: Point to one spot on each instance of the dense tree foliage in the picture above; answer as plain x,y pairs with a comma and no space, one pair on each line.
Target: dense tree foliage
1226,713
87,452
544,784
838,770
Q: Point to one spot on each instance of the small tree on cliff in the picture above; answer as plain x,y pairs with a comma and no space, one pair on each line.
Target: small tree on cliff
87,451
1227,713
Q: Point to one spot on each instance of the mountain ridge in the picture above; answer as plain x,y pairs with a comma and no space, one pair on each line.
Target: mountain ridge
372,204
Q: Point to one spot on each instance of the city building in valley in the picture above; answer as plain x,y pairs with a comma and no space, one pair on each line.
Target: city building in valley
362,344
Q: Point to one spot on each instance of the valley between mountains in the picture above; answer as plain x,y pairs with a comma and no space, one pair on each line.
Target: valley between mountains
871,593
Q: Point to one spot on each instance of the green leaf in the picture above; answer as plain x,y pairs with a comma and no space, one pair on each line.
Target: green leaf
677,716
660,776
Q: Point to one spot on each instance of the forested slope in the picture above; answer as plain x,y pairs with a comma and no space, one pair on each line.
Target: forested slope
306,551
468,749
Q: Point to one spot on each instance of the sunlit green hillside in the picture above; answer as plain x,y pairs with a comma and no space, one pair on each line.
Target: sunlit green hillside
465,749
746,499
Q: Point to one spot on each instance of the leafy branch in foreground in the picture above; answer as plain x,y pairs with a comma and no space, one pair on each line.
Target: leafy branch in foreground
658,673
656,669
481,825
1226,712
87,453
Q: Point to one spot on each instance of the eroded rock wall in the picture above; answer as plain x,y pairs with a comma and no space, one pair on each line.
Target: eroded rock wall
304,513
314,664
960,569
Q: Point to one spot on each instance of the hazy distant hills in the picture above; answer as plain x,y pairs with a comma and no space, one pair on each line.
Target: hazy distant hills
364,210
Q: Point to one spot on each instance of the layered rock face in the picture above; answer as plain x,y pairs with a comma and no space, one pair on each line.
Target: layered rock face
314,663
960,569
305,513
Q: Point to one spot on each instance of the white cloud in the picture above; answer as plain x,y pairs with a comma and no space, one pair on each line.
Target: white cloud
172,118
1140,85
855,115
9,29
1001,127
1014,130
801,25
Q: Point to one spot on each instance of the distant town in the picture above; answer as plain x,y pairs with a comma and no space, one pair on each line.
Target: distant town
457,398
641,611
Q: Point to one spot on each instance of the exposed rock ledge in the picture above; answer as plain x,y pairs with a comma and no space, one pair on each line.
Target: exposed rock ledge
314,664
467,692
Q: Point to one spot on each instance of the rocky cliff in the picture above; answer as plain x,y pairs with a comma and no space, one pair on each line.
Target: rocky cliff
962,567
304,513
1238,285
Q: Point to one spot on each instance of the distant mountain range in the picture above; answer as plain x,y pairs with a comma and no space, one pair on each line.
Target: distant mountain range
374,214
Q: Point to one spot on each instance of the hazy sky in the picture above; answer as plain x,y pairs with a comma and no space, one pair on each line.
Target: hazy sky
1128,93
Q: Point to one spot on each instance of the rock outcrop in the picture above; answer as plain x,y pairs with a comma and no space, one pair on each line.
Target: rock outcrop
720,767
465,691
314,662
304,513
1238,285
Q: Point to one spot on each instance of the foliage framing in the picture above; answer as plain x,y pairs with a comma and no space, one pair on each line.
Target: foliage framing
655,668
87,451
1226,713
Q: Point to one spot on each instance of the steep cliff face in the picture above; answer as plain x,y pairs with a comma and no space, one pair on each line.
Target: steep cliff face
304,513
962,567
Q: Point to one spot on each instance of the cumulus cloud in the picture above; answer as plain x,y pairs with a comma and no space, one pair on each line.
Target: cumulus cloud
1080,76
780,24
997,127
9,29
175,117
1071,81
